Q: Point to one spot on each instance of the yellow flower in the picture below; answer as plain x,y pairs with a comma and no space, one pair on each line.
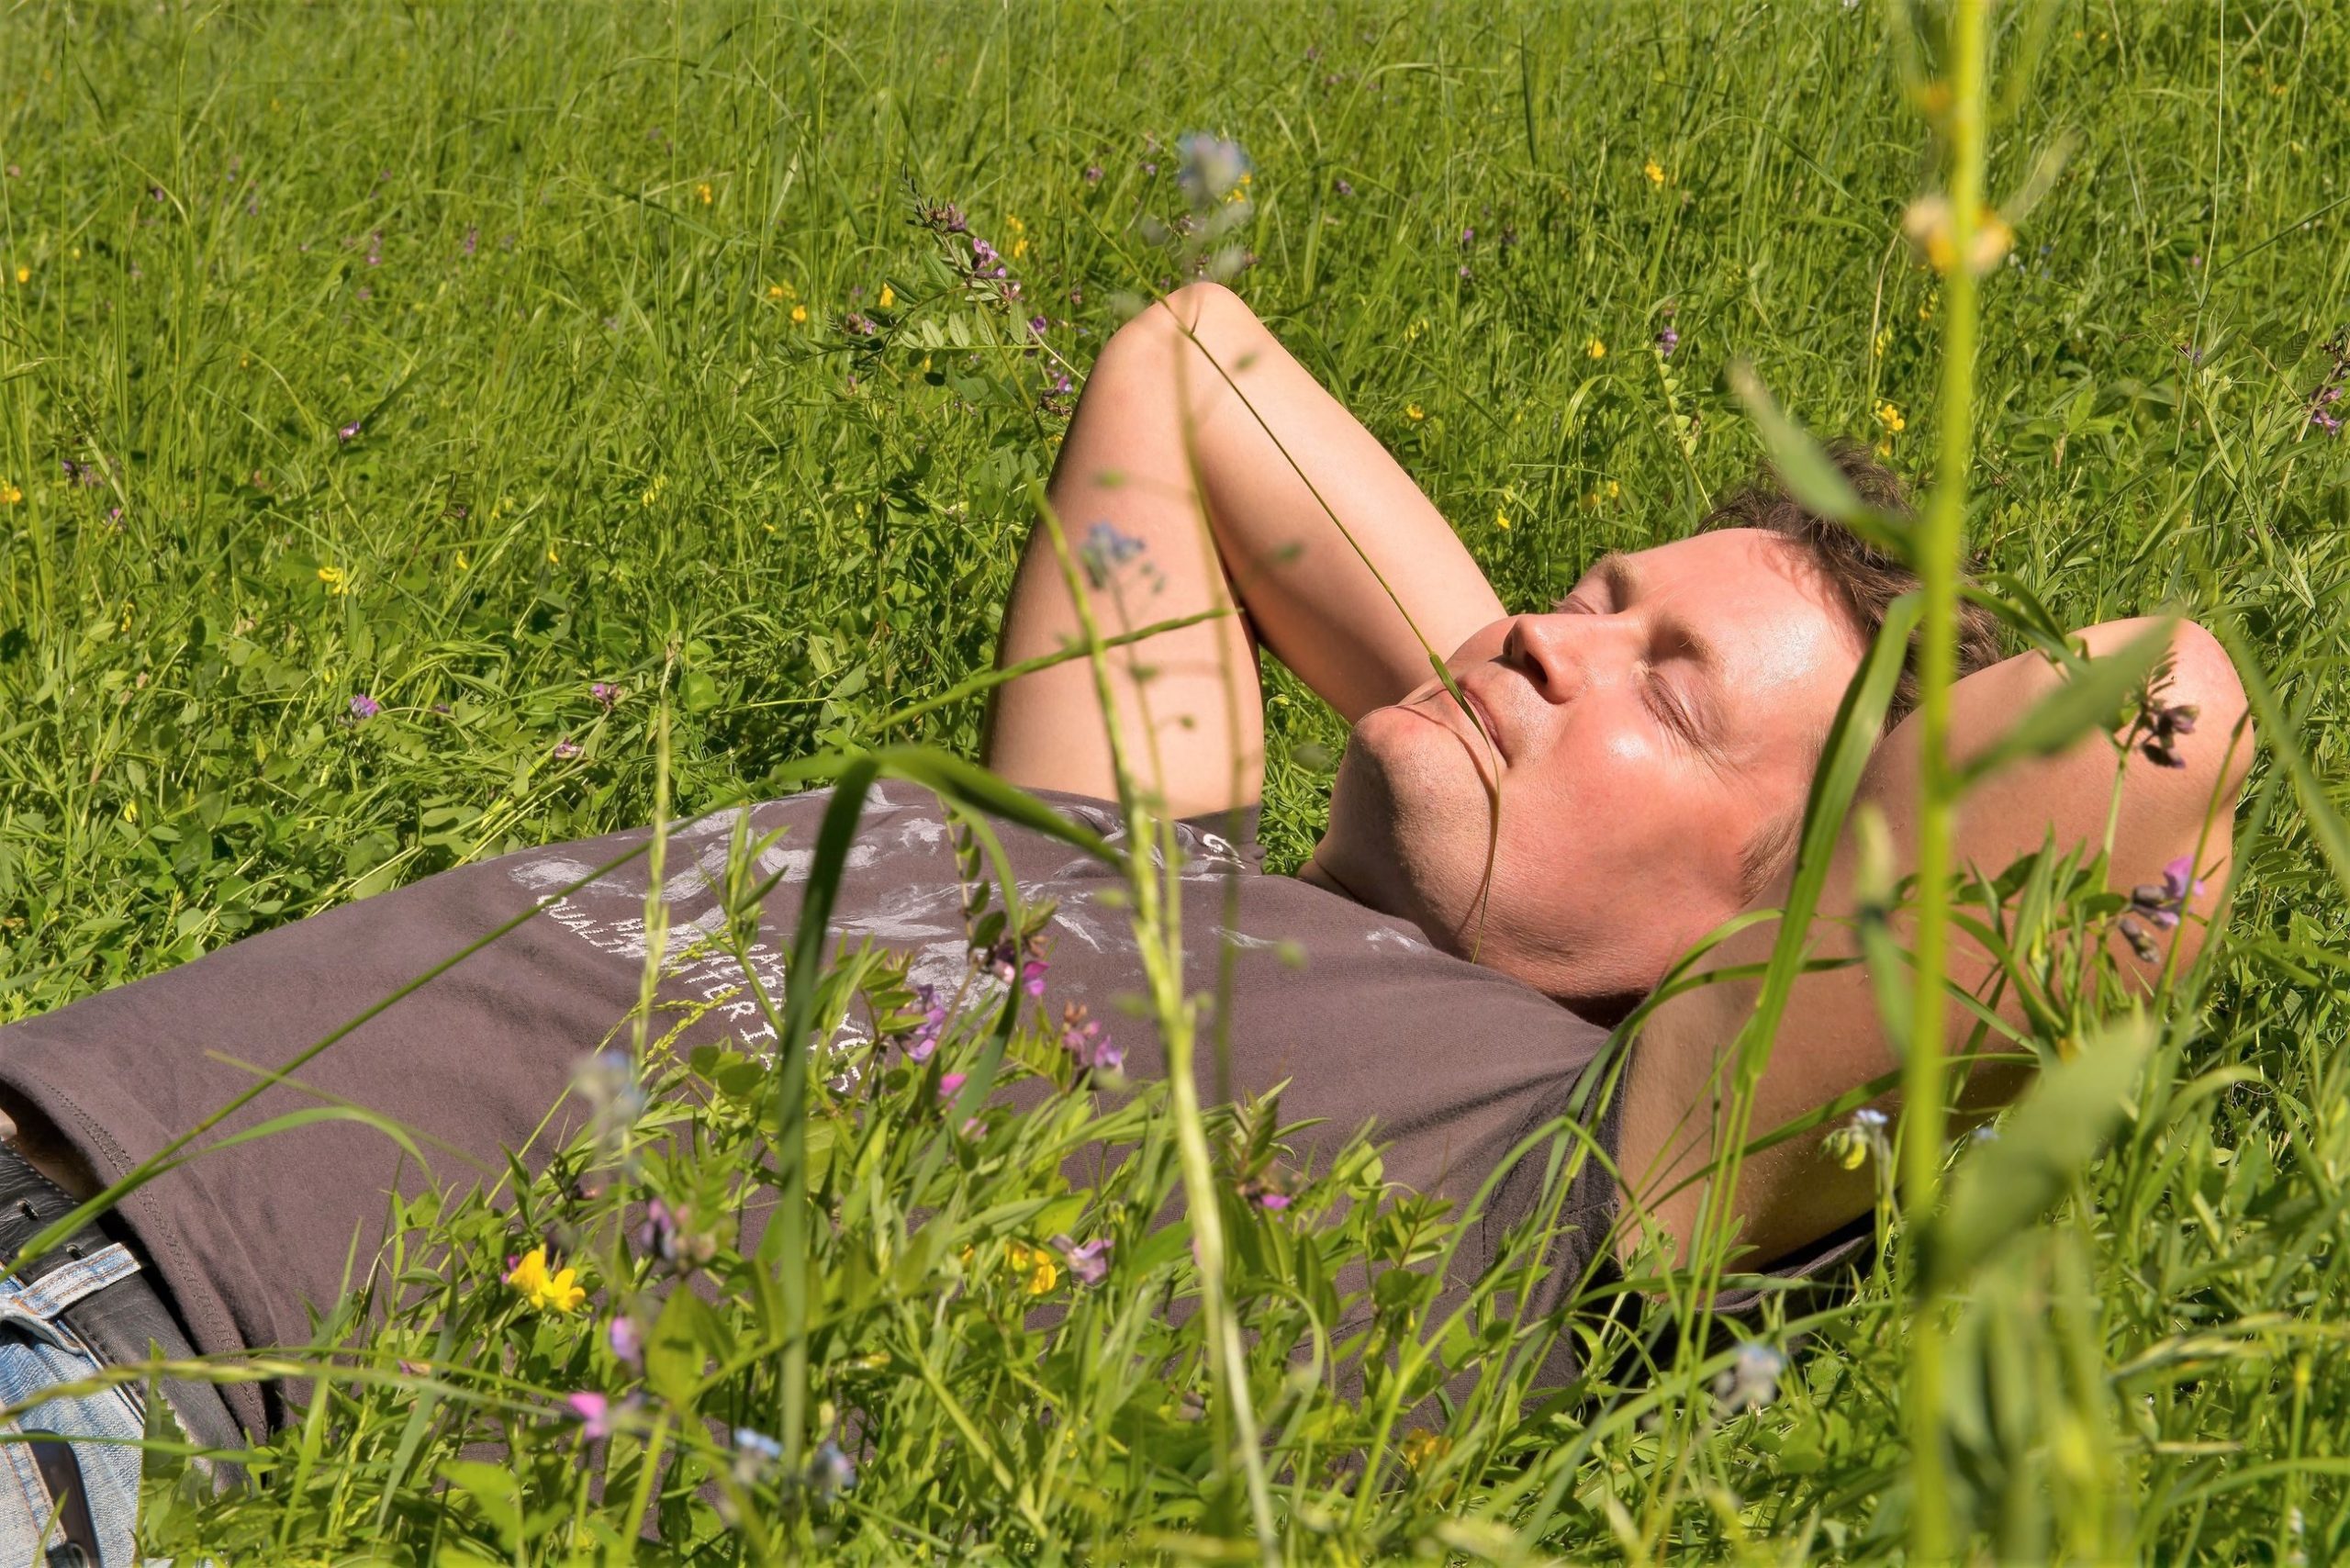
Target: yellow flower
1885,447
1614,489
1422,1446
1884,340
799,314
337,583
10,494
23,275
556,1292
889,296
1019,249
1012,221
1654,171
1413,412
777,291
1038,1272
463,565
1890,418
551,557
1596,349
1501,520
704,194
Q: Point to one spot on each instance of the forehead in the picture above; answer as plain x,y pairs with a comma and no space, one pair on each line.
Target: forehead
1772,622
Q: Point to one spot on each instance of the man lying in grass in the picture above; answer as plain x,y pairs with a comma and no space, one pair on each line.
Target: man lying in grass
1502,883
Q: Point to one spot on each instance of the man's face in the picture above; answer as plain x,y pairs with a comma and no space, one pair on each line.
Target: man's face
1642,737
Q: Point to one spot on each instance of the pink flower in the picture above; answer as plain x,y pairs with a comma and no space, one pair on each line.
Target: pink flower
595,1411
1089,1264
948,1085
628,1344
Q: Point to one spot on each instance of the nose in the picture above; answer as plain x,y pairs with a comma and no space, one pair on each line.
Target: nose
1562,656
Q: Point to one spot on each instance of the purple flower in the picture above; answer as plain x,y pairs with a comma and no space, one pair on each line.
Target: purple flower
857,324
1037,324
363,708
2330,423
2164,904
983,253
605,693
1032,976
565,749
1082,1039
1345,188
1062,385
667,1234
1149,168
922,1041
348,433
1666,341
1464,269
376,249
600,1415
1105,549
473,239
628,1344
365,292
1089,1264
1468,236
948,1085
1276,1202
1094,174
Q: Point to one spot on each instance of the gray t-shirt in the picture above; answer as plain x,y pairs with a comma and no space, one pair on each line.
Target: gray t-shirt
1451,1063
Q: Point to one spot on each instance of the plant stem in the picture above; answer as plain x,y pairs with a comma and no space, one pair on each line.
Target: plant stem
1923,1078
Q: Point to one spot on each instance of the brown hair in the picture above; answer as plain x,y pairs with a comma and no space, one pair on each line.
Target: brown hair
1865,581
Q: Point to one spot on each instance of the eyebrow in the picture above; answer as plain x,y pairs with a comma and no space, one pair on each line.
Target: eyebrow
1622,579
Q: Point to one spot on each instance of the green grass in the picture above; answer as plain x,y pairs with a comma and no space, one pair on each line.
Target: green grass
548,260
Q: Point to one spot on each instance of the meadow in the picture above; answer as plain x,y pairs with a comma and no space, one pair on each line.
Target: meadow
428,433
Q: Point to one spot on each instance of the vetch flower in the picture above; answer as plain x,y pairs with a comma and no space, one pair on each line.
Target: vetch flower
605,693
599,1415
1089,1264
549,1291
1344,188
628,1344
1082,1039
1666,341
667,1234
1094,174
363,708
949,1084
2166,903
923,1039
565,749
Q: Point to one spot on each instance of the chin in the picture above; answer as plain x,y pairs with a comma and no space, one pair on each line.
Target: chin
1407,822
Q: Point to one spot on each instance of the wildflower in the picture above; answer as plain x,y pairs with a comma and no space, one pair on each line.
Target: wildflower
704,194
1094,174
462,564
1501,520
1468,236
857,324
2162,724
473,240
922,1040
1265,1191
668,1234
565,749
628,1344
1344,188
1595,349
1414,413
549,1291
2166,903
951,1083
799,314
754,1452
609,1083
1104,550
1654,171
363,708
599,1415
347,433
1082,1039
376,249
1851,1144
1666,341
1089,1264
2140,943
830,1472
1890,418
24,274
1752,1380
2330,423
1034,1266
10,494
889,296
605,693
1927,225
1211,166
1421,1446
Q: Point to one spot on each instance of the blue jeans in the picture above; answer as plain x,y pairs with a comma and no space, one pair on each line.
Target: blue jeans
39,1351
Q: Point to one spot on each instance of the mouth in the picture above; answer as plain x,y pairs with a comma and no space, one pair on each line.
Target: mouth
1484,717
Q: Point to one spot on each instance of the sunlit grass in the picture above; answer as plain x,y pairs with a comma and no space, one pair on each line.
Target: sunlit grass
458,359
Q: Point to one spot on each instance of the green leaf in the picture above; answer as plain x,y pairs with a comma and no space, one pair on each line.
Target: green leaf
2008,1182
1811,475
2088,699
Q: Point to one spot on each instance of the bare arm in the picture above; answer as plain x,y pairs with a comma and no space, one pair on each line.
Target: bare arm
1268,450
1829,1042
